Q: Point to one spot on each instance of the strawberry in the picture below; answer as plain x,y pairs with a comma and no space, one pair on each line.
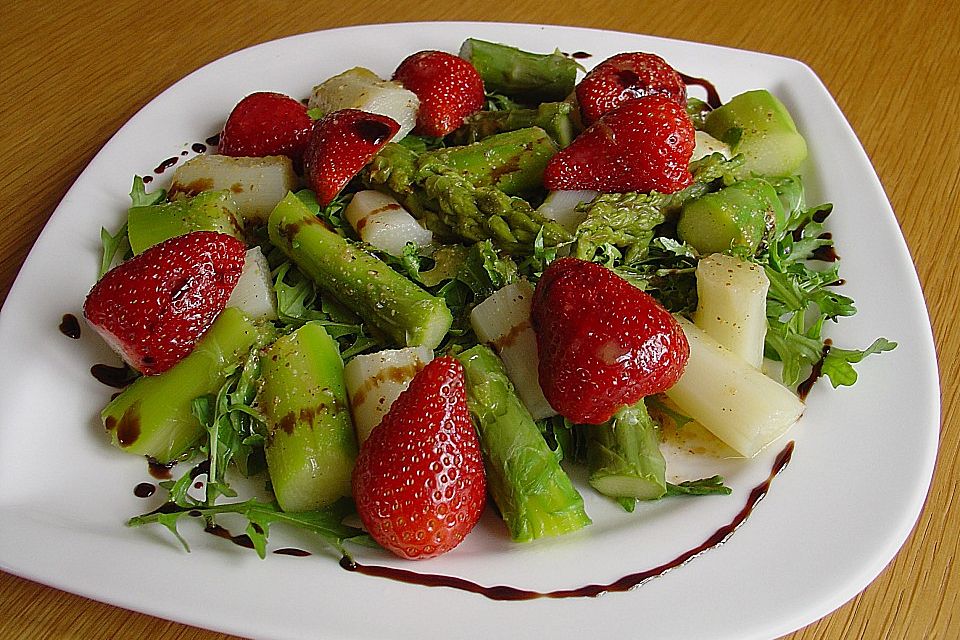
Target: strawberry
449,89
626,76
603,343
154,307
266,124
419,482
340,145
643,145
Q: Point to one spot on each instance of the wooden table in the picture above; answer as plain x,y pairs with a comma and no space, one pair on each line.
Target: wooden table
72,72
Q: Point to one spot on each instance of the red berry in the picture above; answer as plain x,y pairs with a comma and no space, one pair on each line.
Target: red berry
643,145
626,76
266,124
449,88
341,144
153,308
603,343
419,482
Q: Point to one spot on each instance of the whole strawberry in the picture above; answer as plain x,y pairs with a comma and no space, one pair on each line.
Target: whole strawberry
153,308
419,482
626,76
449,89
340,145
266,124
644,145
603,343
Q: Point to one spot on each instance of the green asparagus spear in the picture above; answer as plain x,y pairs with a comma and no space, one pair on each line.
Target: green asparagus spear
531,490
154,417
556,118
623,456
453,208
310,446
758,126
207,211
529,77
513,161
743,215
407,314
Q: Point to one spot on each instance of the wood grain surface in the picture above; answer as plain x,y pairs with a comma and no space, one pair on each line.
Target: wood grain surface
71,73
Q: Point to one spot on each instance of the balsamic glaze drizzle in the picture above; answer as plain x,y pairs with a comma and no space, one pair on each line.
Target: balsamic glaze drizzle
713,97
70,326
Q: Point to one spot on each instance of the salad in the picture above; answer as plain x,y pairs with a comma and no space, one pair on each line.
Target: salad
410,294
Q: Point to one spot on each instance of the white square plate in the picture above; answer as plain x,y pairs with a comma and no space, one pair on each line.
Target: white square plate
863,460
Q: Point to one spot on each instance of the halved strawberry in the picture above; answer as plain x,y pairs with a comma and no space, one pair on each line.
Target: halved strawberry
419,482
340,145
153,308
626,76
449,89
643,145
266,124
603,343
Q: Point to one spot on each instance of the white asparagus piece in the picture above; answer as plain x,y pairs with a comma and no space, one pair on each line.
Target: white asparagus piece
383,222
732,305
736,402
360,88
503,322
706,144
375,380
561,206
256,184
254,293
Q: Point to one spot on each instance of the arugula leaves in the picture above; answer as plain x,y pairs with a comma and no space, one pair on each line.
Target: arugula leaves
326,523
116,246
801,300
703,487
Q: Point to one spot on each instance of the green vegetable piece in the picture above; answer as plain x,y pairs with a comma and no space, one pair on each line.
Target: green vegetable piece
557,119
326,523
310,446
208,211
757,125
623,456
450,205
624,220
513,161
400,309
531,490
745,214
154,417
528,77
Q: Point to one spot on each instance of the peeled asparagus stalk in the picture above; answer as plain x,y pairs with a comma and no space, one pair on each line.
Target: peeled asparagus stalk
383,222
375,380
254,293
503,322
561,206
735,401
360,88
732,305
256,184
